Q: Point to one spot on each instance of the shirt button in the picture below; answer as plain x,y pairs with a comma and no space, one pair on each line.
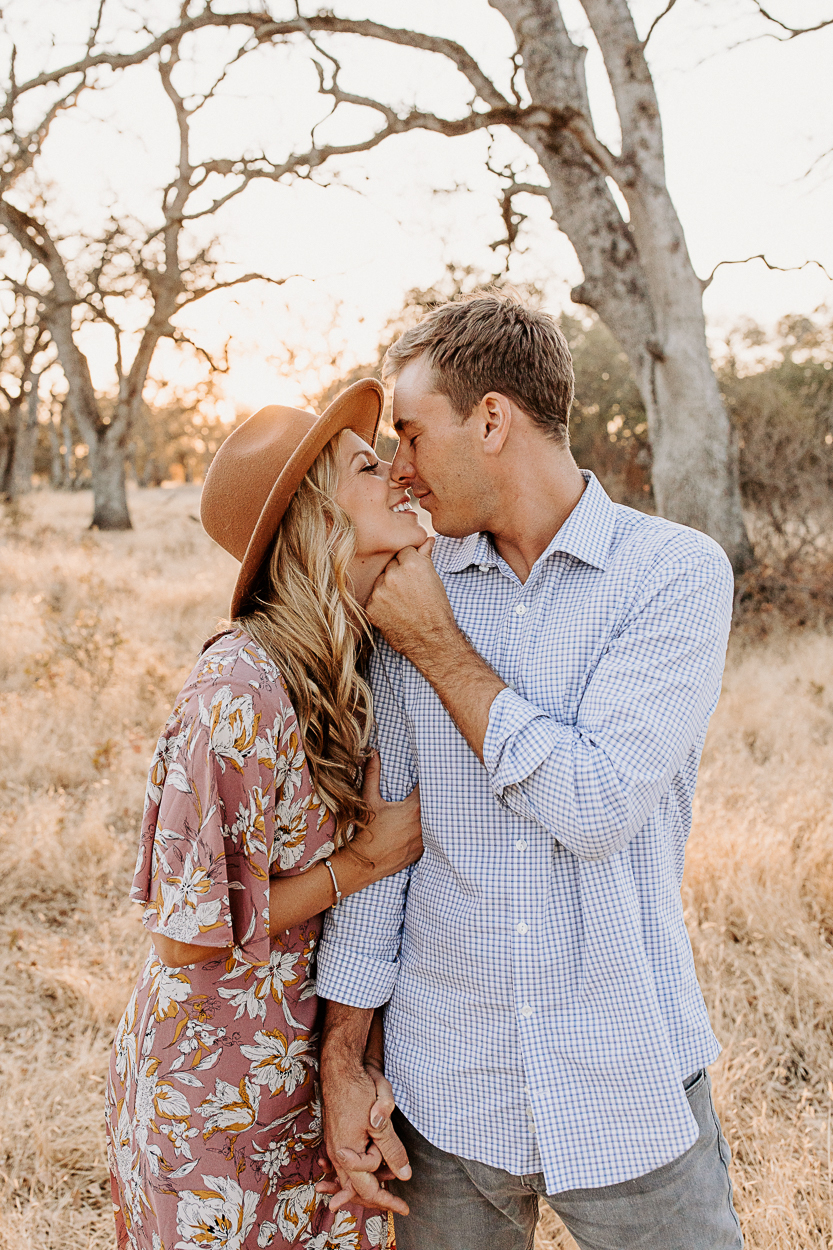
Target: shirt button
484,568
522,928
526,1011
520,608
521,844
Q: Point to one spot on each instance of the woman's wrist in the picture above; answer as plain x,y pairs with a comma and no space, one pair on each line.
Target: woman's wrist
352,871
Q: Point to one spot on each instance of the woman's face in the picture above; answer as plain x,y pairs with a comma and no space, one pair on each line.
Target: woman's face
381,511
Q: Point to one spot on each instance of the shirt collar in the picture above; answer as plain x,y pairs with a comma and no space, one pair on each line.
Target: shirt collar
586,534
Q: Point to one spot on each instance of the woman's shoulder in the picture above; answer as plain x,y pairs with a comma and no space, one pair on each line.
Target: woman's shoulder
235,662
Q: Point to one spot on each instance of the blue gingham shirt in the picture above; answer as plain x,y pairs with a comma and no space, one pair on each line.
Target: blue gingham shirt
543,1008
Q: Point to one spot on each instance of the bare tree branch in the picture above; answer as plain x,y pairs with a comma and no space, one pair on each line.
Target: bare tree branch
669,6
706,282
96,27
193,296
179,336
792,31
512,219
264,29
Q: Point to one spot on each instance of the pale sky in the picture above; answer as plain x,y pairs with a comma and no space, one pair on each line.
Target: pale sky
743,122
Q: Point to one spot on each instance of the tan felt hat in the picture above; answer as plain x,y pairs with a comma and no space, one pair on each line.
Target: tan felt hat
263,462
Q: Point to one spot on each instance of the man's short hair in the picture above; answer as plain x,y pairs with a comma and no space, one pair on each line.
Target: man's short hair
493,342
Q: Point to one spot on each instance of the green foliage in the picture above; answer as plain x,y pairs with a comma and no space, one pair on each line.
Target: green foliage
608,427
782,409
779,391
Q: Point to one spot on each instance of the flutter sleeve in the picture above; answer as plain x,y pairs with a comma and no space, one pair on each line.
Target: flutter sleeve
208,826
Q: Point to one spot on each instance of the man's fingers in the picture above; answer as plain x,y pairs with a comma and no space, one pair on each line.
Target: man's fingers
381,1111
383,1107
393,1152
426,548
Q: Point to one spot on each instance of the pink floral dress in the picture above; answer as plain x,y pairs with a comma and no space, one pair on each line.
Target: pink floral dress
213,1110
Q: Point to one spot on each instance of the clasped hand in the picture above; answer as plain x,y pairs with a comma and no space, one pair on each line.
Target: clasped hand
363,1149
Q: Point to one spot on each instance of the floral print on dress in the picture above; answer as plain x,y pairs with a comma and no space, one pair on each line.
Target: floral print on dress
213,1109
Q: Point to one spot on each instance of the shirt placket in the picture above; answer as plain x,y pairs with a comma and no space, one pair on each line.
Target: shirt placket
525,917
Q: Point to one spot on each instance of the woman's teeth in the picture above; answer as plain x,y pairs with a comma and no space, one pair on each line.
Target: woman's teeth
402,507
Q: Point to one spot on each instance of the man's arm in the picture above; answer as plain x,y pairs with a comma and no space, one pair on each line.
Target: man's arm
358,961
431,640
594,783
356,1144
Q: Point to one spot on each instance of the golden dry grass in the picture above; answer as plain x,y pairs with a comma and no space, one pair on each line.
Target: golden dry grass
99,630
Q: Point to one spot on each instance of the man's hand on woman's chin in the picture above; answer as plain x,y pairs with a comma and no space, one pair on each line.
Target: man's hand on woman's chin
363,1149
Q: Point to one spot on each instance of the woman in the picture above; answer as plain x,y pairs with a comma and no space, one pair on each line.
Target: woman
253,826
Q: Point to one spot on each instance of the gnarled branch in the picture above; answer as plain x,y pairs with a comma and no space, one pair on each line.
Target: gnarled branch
669,6
791,32
706,282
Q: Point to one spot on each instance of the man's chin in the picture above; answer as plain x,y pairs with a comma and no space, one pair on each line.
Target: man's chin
441,522
448,527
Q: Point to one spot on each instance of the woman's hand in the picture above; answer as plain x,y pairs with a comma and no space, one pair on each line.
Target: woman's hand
393,840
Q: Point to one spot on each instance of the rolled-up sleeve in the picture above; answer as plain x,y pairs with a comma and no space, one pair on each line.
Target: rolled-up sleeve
593,784
358,959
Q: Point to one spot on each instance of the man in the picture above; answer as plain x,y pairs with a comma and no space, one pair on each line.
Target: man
548,680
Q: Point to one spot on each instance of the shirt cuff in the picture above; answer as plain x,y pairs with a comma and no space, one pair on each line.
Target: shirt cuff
345,975
518,739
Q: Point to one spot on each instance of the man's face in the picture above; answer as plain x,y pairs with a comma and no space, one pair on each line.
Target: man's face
439,456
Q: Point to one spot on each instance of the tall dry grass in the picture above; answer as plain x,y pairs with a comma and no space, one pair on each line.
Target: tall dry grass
97,633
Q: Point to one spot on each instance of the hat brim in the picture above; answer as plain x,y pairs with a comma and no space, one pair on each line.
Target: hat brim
359,408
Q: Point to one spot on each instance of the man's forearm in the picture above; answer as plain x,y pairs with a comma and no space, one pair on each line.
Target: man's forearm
344,1038
465,683
374,1051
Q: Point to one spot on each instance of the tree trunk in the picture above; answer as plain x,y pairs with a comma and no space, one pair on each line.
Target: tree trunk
637,275
106,442
107,456
23,458
7,451
19,460
56,460
66,443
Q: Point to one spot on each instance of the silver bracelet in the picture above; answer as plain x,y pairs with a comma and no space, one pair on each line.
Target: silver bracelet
329,867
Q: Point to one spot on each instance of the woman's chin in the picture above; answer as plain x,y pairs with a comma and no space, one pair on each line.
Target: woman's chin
419,533
408,532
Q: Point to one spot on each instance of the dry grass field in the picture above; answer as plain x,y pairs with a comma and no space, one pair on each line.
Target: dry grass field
97,633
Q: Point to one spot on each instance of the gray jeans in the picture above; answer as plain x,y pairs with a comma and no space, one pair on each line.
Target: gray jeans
457,1204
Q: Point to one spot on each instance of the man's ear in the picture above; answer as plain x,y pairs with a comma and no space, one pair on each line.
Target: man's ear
495,414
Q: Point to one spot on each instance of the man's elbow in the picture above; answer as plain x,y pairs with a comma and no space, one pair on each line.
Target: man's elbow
603,834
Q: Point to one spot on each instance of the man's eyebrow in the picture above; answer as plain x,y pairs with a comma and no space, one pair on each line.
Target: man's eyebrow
399,425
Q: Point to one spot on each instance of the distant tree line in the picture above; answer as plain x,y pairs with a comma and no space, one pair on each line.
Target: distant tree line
777,387
172,442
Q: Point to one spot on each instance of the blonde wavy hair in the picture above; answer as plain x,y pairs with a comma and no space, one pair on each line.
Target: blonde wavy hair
302,613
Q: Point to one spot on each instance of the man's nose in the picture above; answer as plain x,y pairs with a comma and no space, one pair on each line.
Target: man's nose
402,469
